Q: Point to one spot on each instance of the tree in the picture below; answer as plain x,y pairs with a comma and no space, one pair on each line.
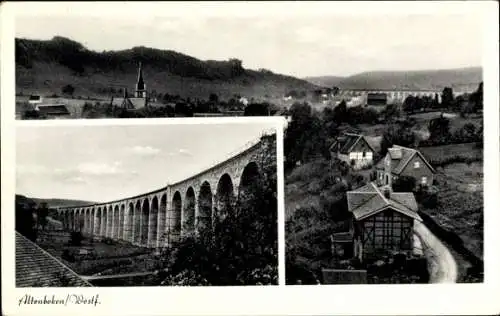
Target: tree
305,136
257,109
42,213
26,220
340,112
68,89
476,98
439,129
409,104
390,112
397,135
214,98
447,98
404,184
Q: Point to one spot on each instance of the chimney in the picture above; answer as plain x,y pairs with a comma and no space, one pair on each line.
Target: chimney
387,193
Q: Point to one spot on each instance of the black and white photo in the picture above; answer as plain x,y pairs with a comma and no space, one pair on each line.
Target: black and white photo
131,205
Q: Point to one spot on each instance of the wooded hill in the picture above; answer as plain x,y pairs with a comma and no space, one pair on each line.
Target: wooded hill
44,67
460,79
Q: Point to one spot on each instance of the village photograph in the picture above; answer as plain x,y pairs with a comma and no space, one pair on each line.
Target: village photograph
385,184
146,205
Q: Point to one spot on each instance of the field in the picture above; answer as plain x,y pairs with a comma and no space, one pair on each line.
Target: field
106,258
460,210
456,122
438,155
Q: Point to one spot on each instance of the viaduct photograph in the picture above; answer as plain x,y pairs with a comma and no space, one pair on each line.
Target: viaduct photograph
129,205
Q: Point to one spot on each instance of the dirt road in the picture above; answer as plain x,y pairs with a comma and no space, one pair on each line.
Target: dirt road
442,265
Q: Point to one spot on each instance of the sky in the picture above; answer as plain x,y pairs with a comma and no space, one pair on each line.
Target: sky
105,163
300,46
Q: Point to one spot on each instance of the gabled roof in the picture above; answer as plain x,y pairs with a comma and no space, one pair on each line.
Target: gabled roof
135,103
369,200
129,103
400,157
53,109
36,267
399,164
347,141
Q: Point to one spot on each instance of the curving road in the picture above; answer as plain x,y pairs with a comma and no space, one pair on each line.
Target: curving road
441,264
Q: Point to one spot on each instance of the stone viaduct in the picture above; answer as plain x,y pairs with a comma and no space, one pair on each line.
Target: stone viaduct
392,95
159,218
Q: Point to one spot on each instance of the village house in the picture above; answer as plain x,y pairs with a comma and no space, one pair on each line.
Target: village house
53,111
402,161
382,221
354,149
35,99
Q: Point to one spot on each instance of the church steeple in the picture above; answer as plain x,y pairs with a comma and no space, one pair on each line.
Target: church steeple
140,86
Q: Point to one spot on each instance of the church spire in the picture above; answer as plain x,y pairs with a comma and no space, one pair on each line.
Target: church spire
140,86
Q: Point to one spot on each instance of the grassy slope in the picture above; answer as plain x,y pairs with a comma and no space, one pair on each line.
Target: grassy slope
62,202
461,209
164,71
459,79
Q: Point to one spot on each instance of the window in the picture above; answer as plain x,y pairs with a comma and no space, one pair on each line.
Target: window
424,180
416,165
364,154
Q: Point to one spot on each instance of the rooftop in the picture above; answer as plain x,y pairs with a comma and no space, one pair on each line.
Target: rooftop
37,268
369,200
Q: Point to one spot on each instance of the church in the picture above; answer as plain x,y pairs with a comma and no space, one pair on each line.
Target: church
140,98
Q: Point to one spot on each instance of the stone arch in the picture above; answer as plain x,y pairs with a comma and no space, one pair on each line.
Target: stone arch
87,221
137,222
121,220
153,223
145,222
98,219
175,217
128,230
81,220
70,220
224,198
92,221
205,201
188,215
162,217
109,221
250,182
116,222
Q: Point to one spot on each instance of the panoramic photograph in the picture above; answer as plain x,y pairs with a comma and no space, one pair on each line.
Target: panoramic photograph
146,205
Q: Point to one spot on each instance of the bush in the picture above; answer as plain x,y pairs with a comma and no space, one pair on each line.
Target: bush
404,184
427,197
76,239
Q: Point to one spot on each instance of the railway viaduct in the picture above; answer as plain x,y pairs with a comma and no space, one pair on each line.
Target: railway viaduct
392,95
159,218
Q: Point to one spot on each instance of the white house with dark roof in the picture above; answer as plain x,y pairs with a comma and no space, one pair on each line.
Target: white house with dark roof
403,161
354,149
382,220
